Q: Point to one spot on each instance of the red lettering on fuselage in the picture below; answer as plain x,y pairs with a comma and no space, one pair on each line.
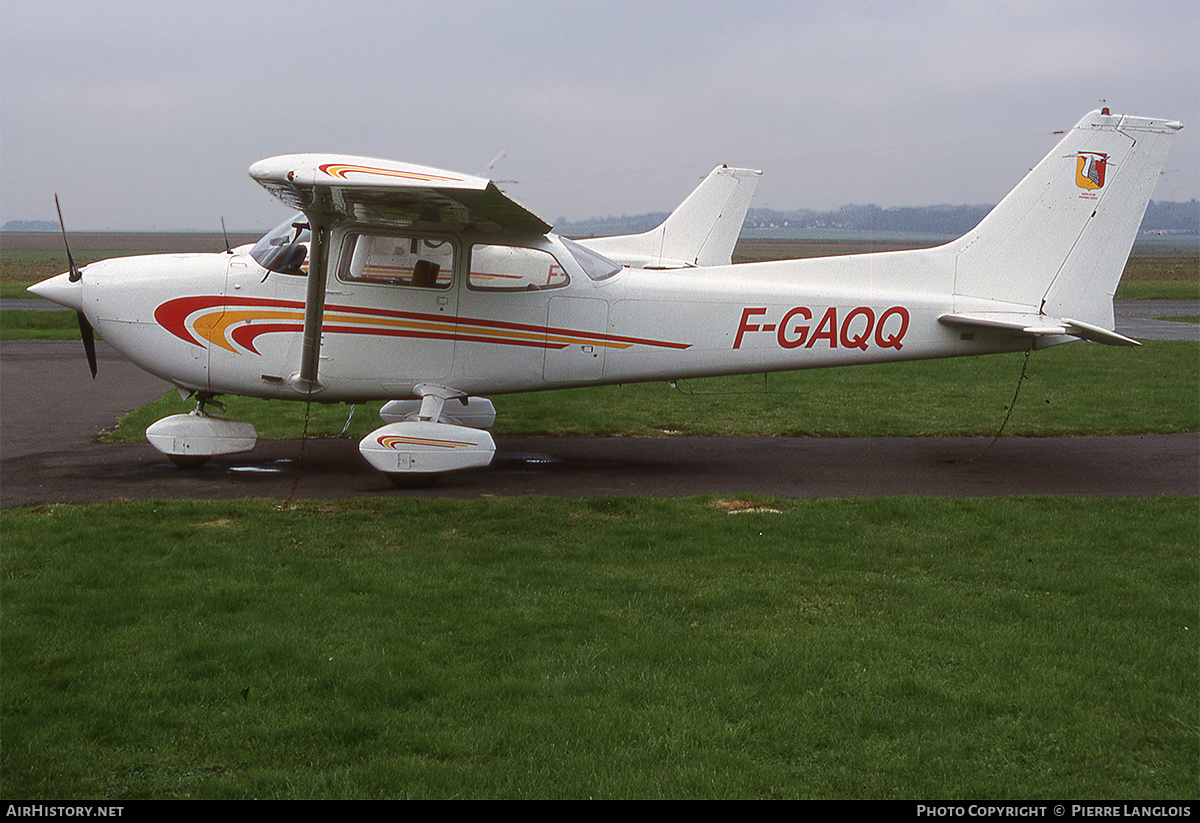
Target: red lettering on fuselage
792,336
858,328
744,326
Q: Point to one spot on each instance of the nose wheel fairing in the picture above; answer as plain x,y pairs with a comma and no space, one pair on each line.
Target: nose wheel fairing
190,439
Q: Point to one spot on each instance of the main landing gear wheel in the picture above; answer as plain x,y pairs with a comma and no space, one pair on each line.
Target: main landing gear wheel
413,480
414,453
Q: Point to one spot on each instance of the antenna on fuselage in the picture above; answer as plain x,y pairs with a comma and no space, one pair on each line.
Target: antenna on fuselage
488,171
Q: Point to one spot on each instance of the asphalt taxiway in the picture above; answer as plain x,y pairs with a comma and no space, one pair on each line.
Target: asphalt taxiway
52,412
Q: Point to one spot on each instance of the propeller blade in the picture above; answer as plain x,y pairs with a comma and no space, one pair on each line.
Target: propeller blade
85,328
89,341
75,273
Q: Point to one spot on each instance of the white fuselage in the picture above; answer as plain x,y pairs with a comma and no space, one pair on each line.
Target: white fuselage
222,324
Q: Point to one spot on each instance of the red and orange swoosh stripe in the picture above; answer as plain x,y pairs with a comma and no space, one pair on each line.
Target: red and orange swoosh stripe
341,170
396,441
234,323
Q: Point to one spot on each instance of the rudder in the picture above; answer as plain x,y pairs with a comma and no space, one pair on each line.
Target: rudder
1058,243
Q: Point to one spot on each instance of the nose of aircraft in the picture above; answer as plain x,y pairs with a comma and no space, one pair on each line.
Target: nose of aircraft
59,289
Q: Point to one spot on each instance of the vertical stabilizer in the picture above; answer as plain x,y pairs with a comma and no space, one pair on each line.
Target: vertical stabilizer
1059,241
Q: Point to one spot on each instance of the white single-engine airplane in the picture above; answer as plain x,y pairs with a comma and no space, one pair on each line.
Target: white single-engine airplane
433,289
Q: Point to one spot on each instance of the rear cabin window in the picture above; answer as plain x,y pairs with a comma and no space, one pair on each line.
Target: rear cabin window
392,260
514,268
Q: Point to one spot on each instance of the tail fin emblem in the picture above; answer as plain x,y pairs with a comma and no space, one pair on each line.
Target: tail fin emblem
1090,169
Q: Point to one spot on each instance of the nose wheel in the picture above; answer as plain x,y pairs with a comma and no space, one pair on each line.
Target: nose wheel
188,462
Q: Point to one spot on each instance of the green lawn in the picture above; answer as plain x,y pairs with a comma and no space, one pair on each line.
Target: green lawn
616,648
32,324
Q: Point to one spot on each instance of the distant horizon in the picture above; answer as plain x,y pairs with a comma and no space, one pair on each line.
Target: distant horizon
629,221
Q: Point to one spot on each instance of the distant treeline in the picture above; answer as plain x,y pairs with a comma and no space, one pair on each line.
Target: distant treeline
1173,218
1165,218
949,220
29,225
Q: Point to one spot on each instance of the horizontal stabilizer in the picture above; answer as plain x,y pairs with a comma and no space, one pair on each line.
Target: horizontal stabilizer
1036,325
701,232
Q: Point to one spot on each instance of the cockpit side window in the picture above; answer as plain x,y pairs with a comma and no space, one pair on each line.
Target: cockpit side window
284,249
395,260
514,268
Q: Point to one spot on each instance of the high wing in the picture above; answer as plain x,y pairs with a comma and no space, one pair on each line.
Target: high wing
332,188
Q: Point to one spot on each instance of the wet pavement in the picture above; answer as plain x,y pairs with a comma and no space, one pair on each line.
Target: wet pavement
1140,319
1147,466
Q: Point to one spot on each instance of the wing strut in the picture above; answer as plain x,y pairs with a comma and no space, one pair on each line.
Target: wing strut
306,380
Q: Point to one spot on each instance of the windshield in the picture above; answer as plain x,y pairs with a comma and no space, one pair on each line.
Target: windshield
284,248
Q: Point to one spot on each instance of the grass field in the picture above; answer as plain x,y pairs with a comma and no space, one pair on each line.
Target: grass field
614,648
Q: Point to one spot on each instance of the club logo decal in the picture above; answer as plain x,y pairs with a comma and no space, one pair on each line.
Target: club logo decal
1090,169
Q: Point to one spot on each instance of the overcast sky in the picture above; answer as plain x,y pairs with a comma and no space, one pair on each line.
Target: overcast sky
146,115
